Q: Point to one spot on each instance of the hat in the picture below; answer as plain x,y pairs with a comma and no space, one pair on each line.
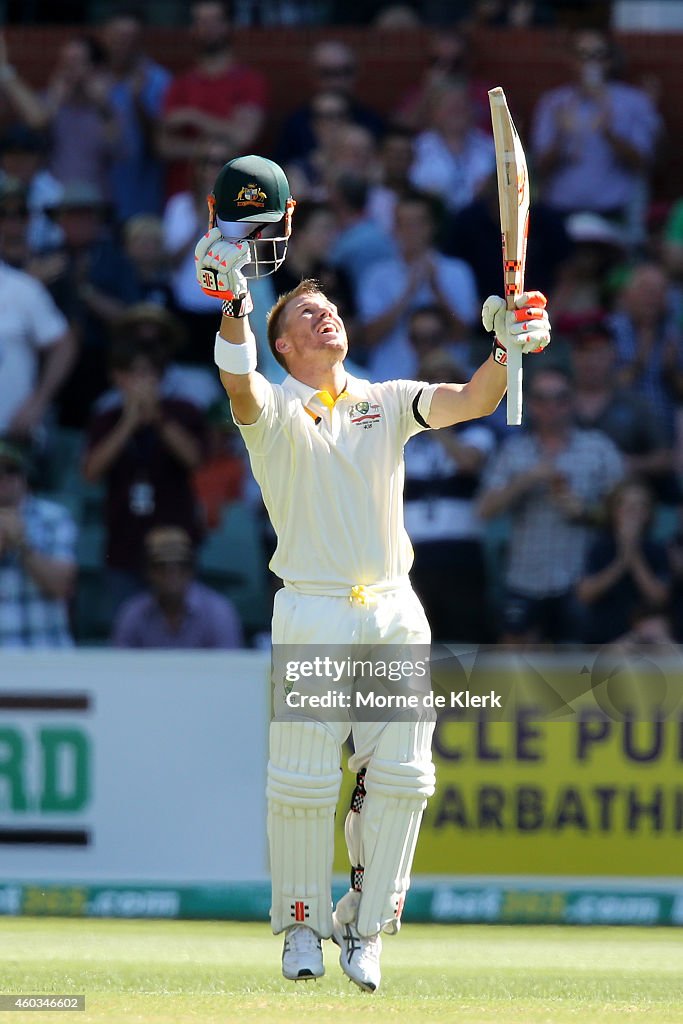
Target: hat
78,195
168,544
151,313
12,453
251,189
591,227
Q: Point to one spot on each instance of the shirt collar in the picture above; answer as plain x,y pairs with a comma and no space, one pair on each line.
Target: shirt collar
355,388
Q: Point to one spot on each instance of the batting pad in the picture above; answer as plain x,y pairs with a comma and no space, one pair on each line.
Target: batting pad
304,777
399,778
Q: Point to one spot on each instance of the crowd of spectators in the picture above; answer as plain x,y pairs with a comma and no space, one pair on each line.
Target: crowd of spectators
567,530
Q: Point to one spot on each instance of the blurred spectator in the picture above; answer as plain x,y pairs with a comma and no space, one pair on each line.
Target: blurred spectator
14,220
551,478
418,276
77,112
396,155
624,568
594,140
143,240
137,90
308,256
146,451
308,173
274,12
651,626
397,17
177,612
185,219
37,563
430,329
442,476
453,158
221,476
449,58
600,404
474,236
360,242
158,333
218,98
91,281
647,329
334,69
22,157
586,281
511,14
36,346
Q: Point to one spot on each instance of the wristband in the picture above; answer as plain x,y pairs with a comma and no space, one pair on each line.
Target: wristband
499,353
238,307
238,359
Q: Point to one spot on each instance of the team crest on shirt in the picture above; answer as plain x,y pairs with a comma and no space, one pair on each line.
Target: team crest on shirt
365,414
251,195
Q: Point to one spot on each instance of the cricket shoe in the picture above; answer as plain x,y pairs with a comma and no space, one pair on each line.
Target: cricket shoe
302,954
359,954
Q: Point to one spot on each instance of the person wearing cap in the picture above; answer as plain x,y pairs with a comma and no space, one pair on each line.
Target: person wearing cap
177,612
22,157
327,451
37,561
94,284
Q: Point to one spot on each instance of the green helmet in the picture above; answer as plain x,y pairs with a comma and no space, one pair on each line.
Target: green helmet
252,190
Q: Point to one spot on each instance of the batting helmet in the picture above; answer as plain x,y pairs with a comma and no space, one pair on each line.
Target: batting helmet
250,194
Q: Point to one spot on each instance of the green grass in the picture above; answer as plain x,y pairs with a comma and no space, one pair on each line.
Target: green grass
173,972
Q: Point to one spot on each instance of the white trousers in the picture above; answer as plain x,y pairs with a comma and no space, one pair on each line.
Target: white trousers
377,624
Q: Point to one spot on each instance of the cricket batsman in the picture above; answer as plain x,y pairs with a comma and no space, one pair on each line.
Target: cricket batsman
327,451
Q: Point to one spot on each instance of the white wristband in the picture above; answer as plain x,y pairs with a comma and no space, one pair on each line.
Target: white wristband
235,358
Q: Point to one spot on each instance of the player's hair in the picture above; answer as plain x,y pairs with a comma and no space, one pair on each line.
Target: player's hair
276,316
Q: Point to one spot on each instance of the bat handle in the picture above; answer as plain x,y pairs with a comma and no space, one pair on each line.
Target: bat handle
514,384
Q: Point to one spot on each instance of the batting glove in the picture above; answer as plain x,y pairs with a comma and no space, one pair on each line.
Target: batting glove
218,264
527,326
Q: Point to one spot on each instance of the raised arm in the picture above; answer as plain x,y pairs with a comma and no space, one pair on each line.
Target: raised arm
527,326
219,274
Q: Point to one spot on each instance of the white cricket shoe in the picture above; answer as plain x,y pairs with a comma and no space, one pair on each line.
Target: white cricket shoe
359,954
302,954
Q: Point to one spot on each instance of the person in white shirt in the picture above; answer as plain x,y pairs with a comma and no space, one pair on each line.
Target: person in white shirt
37,351
327,451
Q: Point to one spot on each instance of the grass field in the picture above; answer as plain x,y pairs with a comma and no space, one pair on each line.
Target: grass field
172,972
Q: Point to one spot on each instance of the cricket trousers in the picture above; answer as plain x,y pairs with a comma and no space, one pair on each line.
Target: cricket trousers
374,640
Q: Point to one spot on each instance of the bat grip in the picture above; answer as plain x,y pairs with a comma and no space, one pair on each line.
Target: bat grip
514,386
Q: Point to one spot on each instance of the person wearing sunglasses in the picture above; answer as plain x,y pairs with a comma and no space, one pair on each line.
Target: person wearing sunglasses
37,560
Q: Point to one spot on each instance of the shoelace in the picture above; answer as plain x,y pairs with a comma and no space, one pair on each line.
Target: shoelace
302,940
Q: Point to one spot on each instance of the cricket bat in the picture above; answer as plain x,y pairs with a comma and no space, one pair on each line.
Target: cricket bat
513,198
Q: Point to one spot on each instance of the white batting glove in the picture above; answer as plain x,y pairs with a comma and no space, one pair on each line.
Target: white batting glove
218,264
527,326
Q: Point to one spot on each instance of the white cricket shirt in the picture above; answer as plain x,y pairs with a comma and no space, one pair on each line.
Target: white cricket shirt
332,474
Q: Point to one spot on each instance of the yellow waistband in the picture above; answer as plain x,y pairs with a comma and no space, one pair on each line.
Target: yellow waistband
363,594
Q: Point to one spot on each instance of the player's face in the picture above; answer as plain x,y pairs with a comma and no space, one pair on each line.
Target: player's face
313,325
